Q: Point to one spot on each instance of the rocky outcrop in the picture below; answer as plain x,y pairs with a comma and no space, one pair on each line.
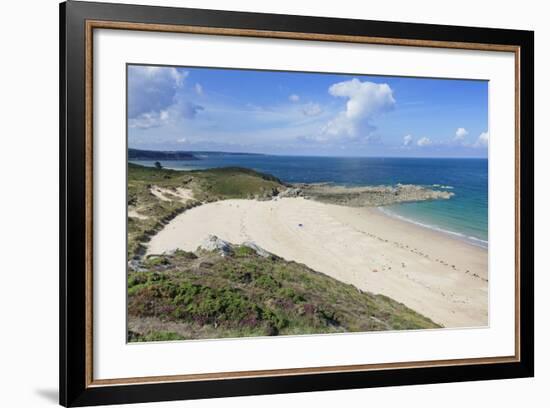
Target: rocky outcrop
224,248
213,243
259,250
292,192
135,265
370,196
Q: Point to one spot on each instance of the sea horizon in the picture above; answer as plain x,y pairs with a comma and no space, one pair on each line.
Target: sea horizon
240,152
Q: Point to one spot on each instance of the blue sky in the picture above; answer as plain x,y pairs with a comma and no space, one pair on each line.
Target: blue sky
305,113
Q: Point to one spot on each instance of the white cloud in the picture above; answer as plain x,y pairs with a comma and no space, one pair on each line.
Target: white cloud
152,89
198,89
482,140
407,140
424,141
460,134
180,110
182,140
150,120
365,101
311,109
294,98
156,97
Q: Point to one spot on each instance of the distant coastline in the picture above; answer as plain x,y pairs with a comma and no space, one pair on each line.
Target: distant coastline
171,155
135,154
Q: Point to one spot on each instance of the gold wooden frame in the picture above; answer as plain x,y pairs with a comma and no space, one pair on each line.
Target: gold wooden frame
98,24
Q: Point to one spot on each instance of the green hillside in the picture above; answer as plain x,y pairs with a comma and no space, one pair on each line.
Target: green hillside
197,295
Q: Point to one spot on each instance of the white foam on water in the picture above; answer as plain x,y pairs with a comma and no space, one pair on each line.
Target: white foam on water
471,240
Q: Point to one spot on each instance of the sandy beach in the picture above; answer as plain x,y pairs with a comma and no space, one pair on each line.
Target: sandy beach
431,272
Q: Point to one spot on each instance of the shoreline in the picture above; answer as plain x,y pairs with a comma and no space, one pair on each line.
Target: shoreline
433,273
444,189
452,234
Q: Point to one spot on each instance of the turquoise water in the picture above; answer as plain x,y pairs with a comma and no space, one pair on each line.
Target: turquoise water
464,215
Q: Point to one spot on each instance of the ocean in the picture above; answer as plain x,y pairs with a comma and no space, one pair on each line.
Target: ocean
464,215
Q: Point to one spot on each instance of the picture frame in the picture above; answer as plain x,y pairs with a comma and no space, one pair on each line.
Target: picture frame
79,21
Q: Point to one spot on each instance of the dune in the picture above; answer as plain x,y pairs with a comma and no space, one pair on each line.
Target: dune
437,275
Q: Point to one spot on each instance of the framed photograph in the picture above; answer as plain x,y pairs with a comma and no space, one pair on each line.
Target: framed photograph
256,204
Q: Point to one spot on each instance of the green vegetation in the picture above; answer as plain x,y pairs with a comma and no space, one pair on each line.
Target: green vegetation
206,185
236,182
206,295
154,336
188,295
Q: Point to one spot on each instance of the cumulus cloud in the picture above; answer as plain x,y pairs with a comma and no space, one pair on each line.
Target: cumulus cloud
407,140
198,89
460,134
152,89
312,109
294,98
155,96
180,109
365,101
424,141
149,120
482,140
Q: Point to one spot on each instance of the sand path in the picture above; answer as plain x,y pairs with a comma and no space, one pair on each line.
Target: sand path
439,276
